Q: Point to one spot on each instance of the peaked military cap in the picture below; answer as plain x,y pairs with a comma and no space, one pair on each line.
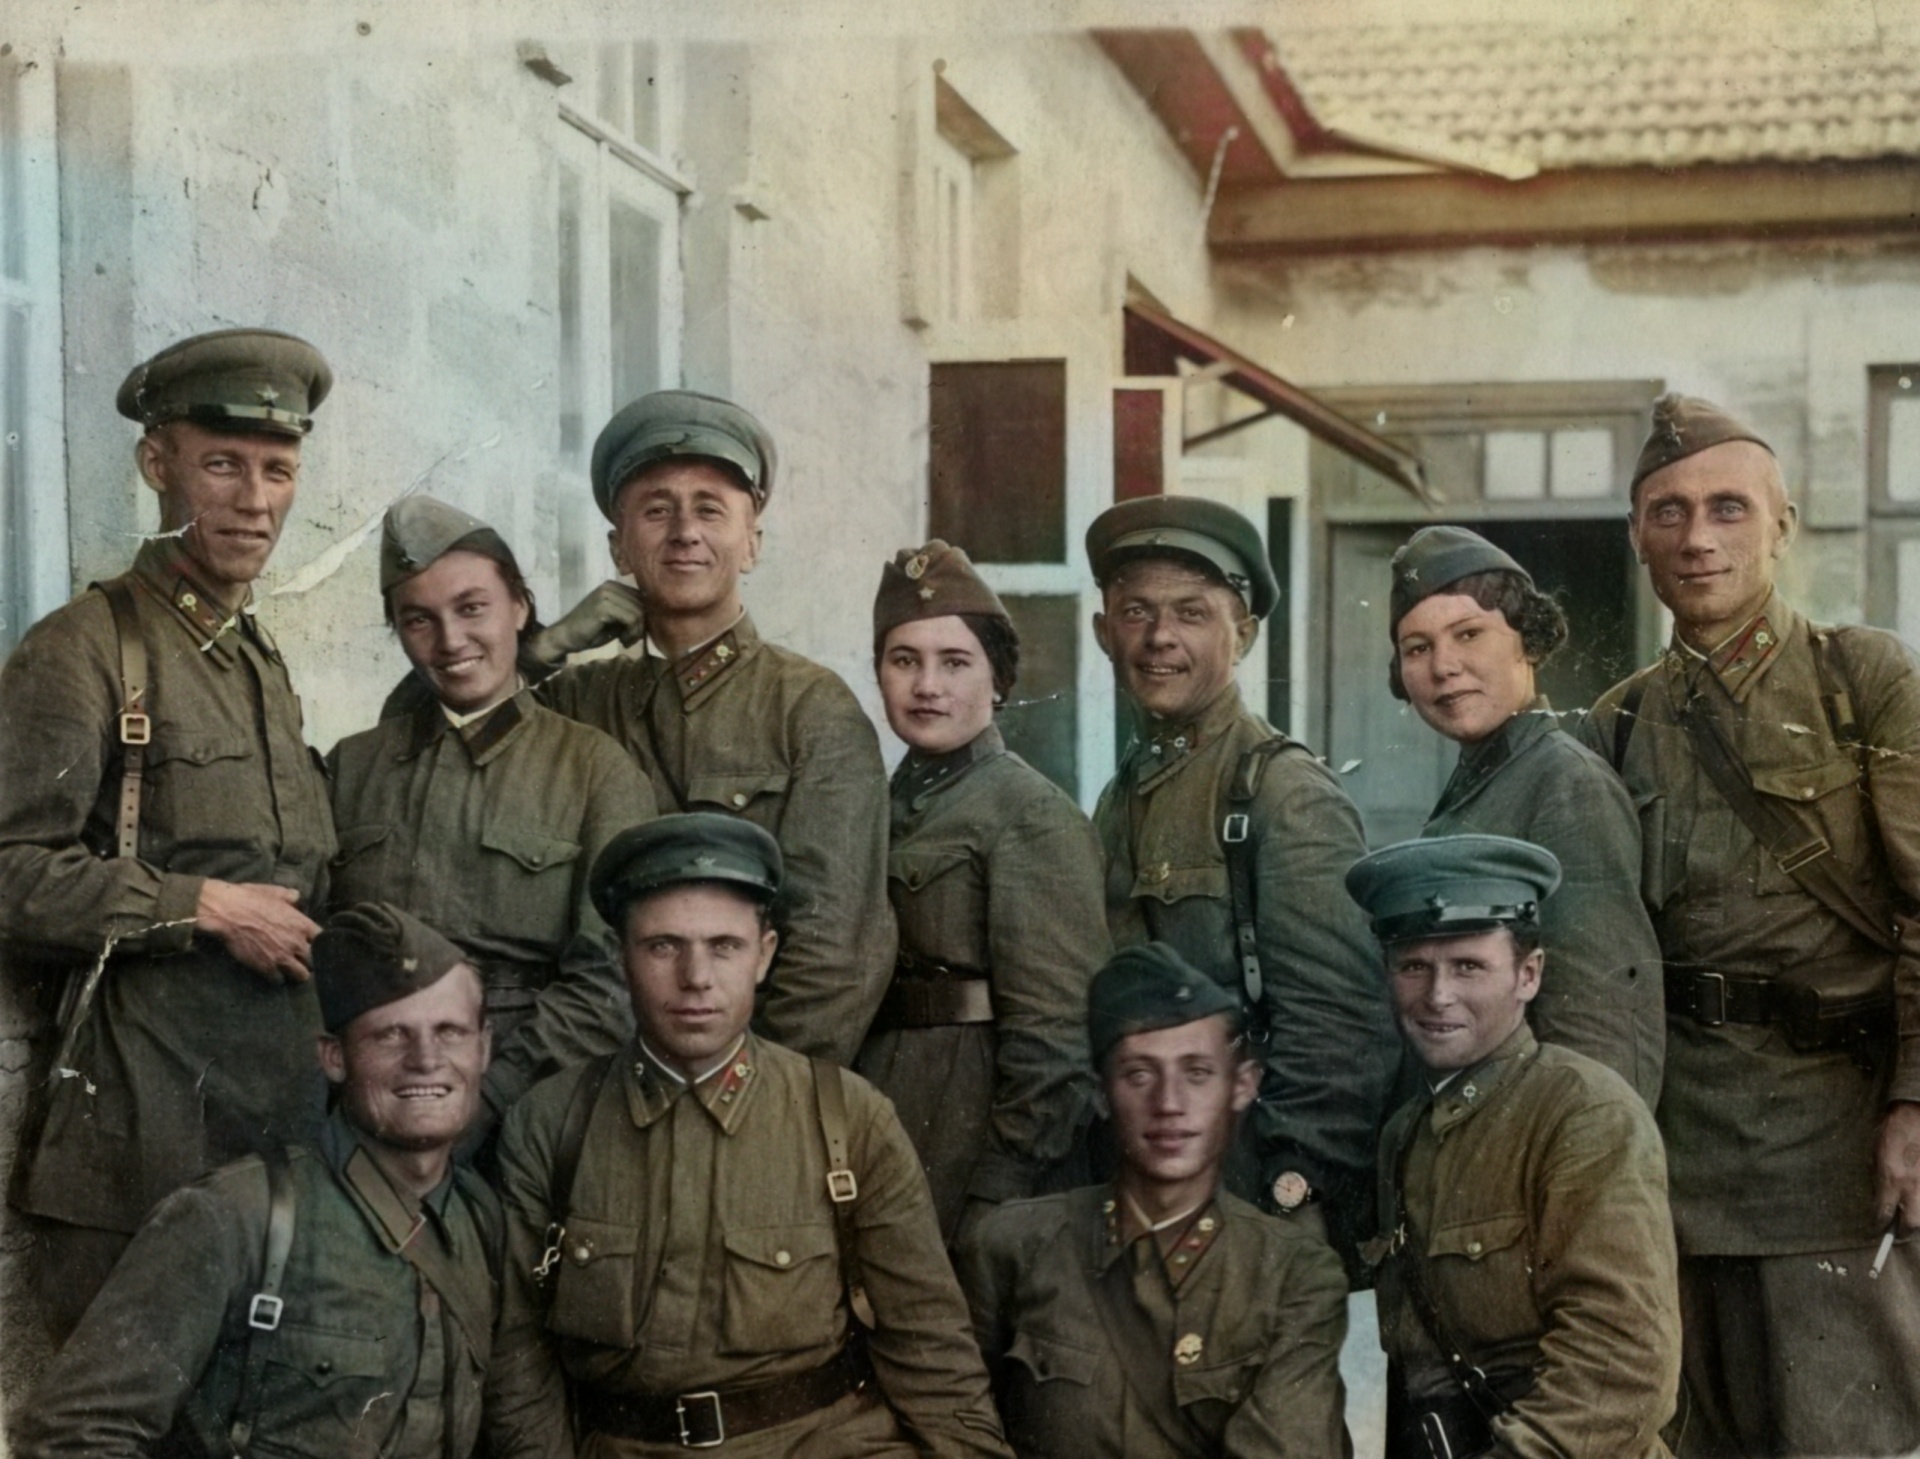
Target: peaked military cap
418,531
373,953
1684,425
1436,557
669,424
1150,986
1185,527
1438,886
231,379
930,582
672,850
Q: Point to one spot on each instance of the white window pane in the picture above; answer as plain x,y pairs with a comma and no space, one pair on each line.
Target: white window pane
646,96
613,102
1903,449
1906,621
1582,463
12,136
571,399
633,301
1516,465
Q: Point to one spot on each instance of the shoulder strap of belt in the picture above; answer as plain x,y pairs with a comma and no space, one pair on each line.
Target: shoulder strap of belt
566,1158
1624,721
1801,853
135,726
843,1187
1236,840
263,1311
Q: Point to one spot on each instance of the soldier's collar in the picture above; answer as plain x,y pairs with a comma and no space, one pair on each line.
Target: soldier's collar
483,735
920,776
1163,745
652,1087
699,671
1180,1241
1744,657
1478,761
1472,1088
396,1217
169,573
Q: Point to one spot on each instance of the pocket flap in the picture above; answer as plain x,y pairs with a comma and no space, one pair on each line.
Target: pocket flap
195,747
737,791
781,1248
584,1242
1807,782
326,1355
355,839
1050,1360
918,865
1477,1240
1164,883
531,848
1225,1381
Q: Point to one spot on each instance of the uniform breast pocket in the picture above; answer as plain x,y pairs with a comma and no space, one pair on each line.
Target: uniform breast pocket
756,794
1825,798
781,1289
195,781
593,1297
359,869
1049,1359
916,868
326,1392
1161,881
1481,1274
1224,1381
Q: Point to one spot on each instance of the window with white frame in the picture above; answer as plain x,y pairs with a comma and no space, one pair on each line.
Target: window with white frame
620,285
1893,499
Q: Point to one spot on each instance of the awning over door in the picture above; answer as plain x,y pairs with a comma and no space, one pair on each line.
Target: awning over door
1156,342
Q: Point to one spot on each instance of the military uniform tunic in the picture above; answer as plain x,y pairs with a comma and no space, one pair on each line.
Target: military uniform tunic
1243,1313
700,1252
992,869
1600,994
1535,1204
487,832
188,1059
1334,1049
370,1359
747,728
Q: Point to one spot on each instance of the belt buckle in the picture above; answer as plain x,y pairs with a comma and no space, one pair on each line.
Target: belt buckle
1234,829
1433,1429
1719,984
263,1312
1799,857
706,1395
135,728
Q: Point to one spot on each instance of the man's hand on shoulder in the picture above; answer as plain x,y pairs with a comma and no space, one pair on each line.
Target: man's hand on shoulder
612,610
261,925
1897,1167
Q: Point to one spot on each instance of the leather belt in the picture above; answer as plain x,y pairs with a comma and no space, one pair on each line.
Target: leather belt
706,1418
922,1002
1711,997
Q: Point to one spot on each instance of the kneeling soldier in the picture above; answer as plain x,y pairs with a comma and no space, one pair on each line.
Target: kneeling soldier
336,1300
1161,1316
1528,1301
712,1240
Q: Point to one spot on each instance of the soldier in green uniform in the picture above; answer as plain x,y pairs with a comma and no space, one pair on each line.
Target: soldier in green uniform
713,1240
164,831
722,721
1777,767
1160,1316
1228,840
1469,629
335,1299
481,810
1528,1302
995,879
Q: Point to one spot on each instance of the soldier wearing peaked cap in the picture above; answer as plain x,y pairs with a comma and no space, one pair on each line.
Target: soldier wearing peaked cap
722,721
1777,766
1469,630
1228,840
712,1239
1526,1268
995,878
337,1298
480,809
1161,1315
164,832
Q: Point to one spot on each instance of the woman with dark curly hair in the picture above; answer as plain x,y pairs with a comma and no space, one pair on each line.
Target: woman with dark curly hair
1469,630
996,880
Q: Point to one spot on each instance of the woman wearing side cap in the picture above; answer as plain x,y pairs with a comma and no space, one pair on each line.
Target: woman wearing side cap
995,877
1469,630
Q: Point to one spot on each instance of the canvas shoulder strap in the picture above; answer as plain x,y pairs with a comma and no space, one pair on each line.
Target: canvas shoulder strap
566,1158
134,724
1624,721
1242,853
843,1186
266,1306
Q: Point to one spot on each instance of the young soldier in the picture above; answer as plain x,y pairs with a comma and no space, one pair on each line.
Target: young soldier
1527,1296
163,826
713,1239
1228,840
337,1299
1777,764
1161,1316
723,721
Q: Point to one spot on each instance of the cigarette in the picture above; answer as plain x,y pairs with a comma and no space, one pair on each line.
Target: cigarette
1880,1257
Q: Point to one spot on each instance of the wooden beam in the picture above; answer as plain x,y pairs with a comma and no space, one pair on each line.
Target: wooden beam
1596,206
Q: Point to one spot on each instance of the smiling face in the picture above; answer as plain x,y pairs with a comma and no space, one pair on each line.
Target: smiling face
1711,529
687,531
410,1071
1173,634
1464,667
936,683
1459,998
230,491
693,955
460,625
1174,1093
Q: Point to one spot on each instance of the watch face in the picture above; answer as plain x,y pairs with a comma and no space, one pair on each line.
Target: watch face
1290,1190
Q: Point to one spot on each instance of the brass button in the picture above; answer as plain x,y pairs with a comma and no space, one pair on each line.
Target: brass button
1473,1248
783,1258
187,600
323,1367
536,859
739,797
1806,792
583,1253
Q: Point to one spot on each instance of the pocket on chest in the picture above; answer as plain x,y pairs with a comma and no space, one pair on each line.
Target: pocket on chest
322,1389
593,1296
781,1289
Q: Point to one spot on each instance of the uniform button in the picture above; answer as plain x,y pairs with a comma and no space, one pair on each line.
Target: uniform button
1473,1248
783,1258
739,797
1806,792
582,1253
536,859
323,1367
187,600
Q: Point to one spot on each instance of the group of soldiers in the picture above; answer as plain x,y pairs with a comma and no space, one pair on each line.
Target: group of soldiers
600,1056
